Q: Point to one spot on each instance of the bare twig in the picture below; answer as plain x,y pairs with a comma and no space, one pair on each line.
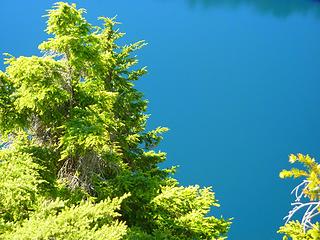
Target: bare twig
312,207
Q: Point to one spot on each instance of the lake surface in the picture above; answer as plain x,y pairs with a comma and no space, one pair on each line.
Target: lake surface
236,81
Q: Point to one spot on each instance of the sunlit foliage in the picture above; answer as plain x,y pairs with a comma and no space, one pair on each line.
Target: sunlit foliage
78,162
307,201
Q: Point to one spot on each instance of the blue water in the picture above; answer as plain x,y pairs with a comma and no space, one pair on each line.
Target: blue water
236,81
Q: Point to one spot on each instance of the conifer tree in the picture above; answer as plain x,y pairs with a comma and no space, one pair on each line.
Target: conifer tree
77,161
307,202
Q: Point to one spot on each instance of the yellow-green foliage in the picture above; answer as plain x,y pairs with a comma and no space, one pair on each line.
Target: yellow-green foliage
182,212
55,220
19,184
78,162
294,229
311,174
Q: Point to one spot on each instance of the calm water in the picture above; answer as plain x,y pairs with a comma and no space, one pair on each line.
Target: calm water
236,81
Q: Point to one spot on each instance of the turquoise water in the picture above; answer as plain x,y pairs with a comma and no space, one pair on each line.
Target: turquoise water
236,81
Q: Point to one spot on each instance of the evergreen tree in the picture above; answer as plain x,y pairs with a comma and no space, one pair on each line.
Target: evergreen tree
78,162
307,201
